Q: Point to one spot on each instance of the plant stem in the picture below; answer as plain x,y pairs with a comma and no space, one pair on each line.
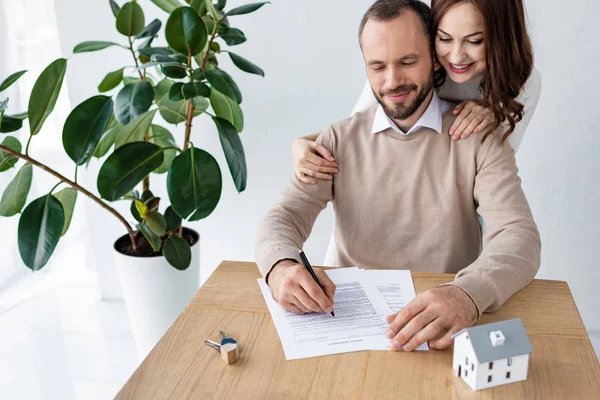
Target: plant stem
189,112
27,147
76,187
146,181
212,37
135,58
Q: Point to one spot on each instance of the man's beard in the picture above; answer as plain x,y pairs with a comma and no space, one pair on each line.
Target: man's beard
400,111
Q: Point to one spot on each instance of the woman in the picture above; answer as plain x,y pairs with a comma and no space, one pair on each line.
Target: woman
487,61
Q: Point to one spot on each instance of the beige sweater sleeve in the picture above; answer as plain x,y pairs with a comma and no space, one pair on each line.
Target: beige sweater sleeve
511,241
285,228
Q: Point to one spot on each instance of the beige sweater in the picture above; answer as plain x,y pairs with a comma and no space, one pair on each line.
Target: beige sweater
413,202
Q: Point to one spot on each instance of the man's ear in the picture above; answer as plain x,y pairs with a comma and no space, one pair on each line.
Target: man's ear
436,65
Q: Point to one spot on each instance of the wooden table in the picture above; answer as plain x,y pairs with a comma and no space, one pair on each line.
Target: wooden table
562,366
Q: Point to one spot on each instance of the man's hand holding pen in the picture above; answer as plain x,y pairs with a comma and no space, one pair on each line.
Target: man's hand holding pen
295,289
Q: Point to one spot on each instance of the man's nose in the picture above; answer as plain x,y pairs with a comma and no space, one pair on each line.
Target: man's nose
394,78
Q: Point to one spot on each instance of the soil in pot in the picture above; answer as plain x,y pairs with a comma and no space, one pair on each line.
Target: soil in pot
144,249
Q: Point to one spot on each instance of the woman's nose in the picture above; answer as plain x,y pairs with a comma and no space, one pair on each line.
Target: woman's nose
457,55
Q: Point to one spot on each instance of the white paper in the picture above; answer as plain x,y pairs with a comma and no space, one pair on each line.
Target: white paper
359,323
396,287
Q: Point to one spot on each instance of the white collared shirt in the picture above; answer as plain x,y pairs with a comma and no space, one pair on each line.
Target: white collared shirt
431,118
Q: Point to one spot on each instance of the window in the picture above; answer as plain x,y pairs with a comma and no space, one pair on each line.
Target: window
466,373
508,375
489,378
491,365
472,367
467,361
509,361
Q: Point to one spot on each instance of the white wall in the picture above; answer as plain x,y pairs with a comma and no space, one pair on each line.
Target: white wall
560,155
314,73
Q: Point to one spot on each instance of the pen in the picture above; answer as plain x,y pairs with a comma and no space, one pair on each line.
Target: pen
310,270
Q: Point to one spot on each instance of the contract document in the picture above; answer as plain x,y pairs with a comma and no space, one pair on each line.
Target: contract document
361,304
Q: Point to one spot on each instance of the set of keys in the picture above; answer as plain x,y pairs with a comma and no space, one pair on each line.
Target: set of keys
228,348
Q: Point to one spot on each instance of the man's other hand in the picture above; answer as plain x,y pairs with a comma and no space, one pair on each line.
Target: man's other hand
434,316
295,290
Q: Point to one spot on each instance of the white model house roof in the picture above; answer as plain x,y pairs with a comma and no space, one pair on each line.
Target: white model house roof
516,342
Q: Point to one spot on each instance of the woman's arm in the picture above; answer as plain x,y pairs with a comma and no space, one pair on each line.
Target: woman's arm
366,99
474,118
313,161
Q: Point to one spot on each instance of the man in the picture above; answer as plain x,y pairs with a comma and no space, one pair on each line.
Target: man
408,196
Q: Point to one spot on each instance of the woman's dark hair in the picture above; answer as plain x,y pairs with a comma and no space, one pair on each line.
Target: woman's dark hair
508,54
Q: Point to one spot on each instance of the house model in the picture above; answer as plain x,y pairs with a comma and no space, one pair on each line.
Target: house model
492,354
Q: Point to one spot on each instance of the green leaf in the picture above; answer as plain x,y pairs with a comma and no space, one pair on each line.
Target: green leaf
178,253
175,92
141,208
146,195
136,130
232,36
126,167
150,30
150,51
107,141
156,222
22,116
10,124
130,20
234,153
170,64
174,72
39,231
84,128
167,5
11,79
161,89
224,83
227,109
93,45
111,81
45,93
14,197
195,89
246,65
67,198
199,6
152,238
173,220
161,137
114,7
221,4
194,184
135,211
7,161
185,31
246,9
174,112
132,101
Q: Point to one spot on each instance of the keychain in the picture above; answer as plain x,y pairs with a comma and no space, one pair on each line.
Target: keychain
228,348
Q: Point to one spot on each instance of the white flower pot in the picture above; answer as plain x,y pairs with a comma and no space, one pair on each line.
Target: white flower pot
155,293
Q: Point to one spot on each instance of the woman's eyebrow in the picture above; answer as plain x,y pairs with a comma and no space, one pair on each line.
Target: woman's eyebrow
469,35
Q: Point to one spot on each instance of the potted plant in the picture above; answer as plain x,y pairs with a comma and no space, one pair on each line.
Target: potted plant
158,257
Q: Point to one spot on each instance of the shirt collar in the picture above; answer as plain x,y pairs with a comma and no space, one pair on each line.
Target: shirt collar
431,118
